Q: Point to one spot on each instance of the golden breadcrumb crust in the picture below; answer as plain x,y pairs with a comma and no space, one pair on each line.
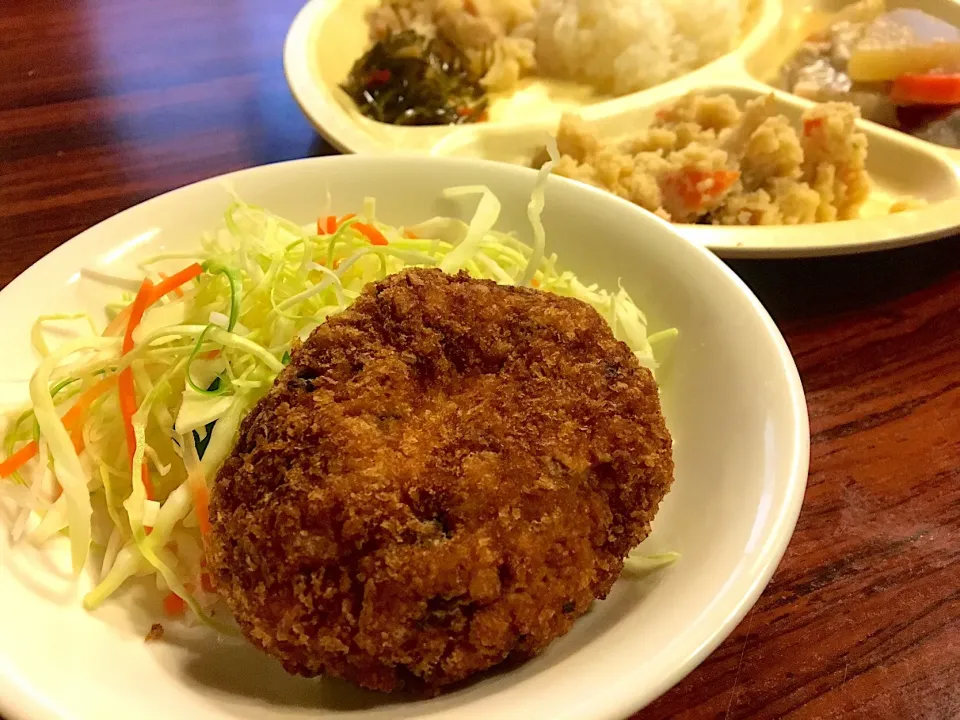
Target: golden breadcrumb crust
446,475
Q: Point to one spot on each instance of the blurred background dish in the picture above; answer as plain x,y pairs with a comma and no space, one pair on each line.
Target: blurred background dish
893,190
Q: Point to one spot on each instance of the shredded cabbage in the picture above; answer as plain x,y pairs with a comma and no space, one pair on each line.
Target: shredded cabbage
203,356
639,564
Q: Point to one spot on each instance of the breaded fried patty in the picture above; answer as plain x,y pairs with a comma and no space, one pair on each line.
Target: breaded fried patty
446,475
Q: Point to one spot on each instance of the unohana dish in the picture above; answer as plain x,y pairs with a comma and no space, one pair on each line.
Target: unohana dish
901,67
435,61
705,160
379,509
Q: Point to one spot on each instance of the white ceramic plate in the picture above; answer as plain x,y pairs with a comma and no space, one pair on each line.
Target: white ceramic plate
327,36
732,398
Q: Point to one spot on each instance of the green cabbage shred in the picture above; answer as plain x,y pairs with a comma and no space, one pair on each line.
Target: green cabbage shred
204,357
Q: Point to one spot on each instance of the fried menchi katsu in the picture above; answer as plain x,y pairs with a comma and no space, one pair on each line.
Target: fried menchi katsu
446,475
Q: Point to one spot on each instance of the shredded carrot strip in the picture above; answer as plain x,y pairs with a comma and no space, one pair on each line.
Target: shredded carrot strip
125,321
20,458
201,504
331,224
409,235
73,416
177,291
345,218
201,500
71,421
77,438
371,233
128,397
117,325
174,282
170,284
137,309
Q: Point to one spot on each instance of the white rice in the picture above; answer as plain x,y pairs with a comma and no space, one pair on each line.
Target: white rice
621,46
617,46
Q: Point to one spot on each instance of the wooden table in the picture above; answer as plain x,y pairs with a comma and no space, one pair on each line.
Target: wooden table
104,103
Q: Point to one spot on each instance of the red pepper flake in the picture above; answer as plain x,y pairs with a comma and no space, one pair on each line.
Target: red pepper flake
173,605
379,77
695,187
812,124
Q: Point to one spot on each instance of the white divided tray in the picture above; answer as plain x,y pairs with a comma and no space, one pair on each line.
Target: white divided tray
329,35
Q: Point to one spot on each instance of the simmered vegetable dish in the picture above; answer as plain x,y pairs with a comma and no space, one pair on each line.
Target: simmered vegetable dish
901,67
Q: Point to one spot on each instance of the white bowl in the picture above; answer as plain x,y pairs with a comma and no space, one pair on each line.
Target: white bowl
732,398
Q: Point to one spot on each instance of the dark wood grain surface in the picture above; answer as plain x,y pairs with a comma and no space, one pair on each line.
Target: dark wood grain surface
104,103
